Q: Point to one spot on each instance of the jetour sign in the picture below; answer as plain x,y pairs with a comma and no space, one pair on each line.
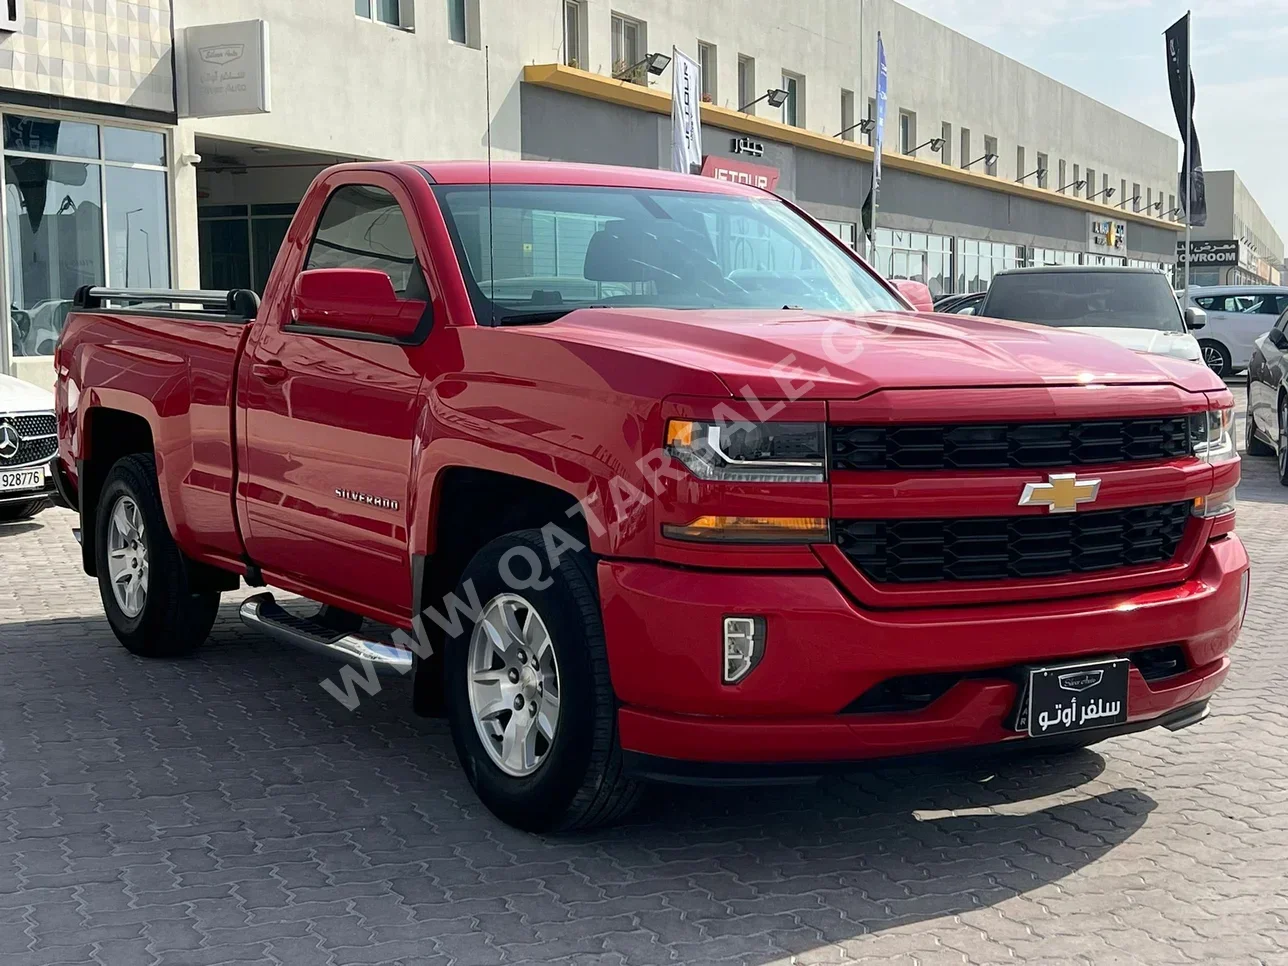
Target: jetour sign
740,172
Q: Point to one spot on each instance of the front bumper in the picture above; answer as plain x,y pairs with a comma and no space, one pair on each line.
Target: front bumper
662,627
47,494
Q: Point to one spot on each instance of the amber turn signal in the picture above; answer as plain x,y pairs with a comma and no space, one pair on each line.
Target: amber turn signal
717,529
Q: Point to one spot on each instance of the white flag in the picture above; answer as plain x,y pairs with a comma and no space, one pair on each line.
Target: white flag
686,124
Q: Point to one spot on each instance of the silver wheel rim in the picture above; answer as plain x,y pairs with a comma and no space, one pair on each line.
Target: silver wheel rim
1283,441
514,685
1212,356
127,557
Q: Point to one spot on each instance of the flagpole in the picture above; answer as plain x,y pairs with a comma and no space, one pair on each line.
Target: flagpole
1189,137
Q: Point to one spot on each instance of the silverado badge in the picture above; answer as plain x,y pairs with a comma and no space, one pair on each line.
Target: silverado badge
1061,493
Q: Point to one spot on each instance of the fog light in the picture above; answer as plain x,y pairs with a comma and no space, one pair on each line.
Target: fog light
744,646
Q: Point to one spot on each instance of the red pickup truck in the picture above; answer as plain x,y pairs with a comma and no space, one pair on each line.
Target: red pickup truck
647,477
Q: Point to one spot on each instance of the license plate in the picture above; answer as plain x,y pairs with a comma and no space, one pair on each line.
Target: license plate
15,481
1076,697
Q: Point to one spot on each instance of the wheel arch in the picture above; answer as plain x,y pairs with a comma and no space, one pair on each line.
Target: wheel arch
107,435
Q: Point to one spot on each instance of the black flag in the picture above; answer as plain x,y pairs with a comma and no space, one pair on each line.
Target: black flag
1181,79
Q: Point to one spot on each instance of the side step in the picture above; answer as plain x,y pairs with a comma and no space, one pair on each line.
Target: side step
310,634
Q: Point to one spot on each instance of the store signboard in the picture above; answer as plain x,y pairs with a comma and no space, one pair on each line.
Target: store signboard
1106,236
225,69
1207,253
740,172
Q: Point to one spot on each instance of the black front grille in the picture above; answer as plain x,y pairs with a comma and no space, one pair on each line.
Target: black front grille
1011,548
1009,445
29,427
37,436
31,451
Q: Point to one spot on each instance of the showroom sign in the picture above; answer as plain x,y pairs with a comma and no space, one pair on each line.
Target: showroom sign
1106,236
225,69
1223,254
740,172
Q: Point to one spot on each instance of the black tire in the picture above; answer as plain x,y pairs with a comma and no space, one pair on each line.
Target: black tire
21,511
1283,440
174,620
1254,444
1217,357
580,783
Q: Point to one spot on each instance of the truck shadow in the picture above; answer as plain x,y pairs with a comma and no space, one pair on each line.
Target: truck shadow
241,739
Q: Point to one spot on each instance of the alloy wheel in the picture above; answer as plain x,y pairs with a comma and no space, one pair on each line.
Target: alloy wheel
127,557
514,685
1214,360
1283,440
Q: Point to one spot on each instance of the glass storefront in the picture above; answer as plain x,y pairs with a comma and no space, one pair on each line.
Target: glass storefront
979,261
915,255
238,243
84,204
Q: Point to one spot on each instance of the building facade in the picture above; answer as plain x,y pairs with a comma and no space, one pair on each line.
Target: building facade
1238,245
87,94
988,164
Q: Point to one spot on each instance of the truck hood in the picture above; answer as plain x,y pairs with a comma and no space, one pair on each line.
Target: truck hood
847,356
1181,345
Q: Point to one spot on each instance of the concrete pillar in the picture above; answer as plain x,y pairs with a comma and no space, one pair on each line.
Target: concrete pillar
187,262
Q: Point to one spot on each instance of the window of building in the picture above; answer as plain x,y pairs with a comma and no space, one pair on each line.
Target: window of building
907,131
966,158
978,261
1020,169
1149,197
946,152
628,49
871,136
1077,176
1061,174
1171,207
917,256
707,70
238,244
847,231
990,150
1043,171
1092,190
363,226
84,205
574,55
1040,257
794,106
382,11
1104,186
1135,195
11,15
847,115
746,80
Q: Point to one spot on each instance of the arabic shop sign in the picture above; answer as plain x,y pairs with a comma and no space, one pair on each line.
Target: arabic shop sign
226,69
1222,253
1106,236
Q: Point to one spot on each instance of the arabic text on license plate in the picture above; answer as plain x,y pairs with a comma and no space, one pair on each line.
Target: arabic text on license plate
12,481
1077,696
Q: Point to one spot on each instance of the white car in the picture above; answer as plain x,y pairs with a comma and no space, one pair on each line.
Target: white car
1238,315
1134,307
28,441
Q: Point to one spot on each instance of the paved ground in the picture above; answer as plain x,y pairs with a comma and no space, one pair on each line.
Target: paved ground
226,810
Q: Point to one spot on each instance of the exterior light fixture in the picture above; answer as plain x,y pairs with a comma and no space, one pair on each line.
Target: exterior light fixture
988,159
1108,193
1040,172
775,95
935,144
865,126
655,63
1075,185
1132,201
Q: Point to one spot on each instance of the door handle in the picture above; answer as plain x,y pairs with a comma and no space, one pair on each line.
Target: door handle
271,373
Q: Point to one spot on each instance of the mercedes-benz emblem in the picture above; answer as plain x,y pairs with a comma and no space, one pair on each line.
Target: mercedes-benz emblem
10,441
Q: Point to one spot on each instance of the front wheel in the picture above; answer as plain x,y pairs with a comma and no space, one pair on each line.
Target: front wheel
1256,446
21,511
142,575
529,699
1217,357
1283,440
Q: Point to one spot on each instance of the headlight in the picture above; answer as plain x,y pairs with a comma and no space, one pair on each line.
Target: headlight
746,453
1212,435
1215,505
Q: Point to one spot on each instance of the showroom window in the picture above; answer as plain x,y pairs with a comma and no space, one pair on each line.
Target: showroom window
917,256
84,204
979,261
238,243
847,231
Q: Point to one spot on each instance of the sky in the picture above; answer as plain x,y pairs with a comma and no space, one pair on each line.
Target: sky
1113,51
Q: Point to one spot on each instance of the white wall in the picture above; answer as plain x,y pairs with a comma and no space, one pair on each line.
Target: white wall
344,86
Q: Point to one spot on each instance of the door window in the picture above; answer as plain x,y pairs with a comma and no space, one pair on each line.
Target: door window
363,226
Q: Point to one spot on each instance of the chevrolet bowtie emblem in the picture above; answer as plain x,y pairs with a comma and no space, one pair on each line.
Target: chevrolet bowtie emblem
1061,493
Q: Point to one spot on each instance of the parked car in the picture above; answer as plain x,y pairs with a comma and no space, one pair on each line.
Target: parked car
1266,429
967,304
715,529
1237,316
1134,307
28,441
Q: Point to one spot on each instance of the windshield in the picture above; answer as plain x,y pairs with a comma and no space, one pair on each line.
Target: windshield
1127,300
543,251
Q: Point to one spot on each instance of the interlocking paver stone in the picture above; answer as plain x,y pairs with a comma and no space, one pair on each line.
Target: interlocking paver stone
224,809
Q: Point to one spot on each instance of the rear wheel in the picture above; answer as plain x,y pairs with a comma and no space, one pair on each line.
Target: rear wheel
1283,440
1217,357
529,699
1256,446
142,575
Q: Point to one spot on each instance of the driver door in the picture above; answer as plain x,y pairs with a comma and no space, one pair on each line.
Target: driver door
331,411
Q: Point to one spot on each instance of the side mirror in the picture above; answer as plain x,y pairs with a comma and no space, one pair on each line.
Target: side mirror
917,294
361,301
1195,317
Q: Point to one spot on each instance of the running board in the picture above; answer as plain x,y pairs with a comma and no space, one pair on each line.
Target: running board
314,636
